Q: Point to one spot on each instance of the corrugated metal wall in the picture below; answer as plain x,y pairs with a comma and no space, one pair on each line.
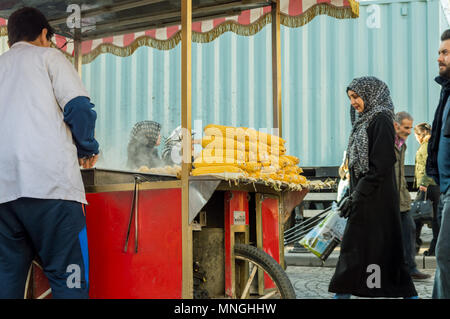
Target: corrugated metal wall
231,85
395,41
231,80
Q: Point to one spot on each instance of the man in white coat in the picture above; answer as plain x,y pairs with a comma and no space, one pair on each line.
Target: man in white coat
46,133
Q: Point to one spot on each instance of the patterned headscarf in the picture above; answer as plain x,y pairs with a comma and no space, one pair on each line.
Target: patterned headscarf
145,133
376,96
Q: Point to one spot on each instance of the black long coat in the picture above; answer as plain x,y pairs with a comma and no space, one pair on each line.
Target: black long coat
373,234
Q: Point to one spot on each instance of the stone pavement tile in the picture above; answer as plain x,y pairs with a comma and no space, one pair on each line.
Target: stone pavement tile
312,282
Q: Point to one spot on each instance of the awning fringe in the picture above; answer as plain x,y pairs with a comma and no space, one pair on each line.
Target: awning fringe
227,26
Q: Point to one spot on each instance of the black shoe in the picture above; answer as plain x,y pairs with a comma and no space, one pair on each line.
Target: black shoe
429,253
419,276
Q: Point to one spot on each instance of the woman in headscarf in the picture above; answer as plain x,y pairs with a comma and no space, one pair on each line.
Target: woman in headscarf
371,262
142,151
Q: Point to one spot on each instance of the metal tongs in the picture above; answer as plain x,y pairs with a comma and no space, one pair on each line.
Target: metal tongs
134,212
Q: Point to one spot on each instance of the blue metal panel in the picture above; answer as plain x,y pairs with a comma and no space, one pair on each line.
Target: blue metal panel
232,82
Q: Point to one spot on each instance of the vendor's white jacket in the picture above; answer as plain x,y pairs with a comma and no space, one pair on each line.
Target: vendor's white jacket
38,158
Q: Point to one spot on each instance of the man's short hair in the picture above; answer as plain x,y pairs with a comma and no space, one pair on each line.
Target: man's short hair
445,35
400,116
26,24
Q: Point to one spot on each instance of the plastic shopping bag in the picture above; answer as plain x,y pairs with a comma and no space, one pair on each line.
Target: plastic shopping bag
325,236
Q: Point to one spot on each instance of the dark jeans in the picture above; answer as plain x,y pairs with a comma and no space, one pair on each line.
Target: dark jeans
433,193
408,238
441,288
55,231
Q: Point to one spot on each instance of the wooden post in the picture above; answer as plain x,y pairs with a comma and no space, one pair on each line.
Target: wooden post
276,68
78,55
186,35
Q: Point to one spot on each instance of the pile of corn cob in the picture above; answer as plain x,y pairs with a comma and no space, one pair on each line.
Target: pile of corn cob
247,152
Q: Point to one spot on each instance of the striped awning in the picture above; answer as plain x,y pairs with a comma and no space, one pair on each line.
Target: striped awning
294,13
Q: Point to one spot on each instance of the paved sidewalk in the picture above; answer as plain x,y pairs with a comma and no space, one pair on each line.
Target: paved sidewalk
312,282
309,260
311,277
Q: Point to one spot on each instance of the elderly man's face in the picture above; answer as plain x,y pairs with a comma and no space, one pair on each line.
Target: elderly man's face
444,59
403,129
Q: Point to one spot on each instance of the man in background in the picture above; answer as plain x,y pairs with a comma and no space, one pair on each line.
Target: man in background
403,124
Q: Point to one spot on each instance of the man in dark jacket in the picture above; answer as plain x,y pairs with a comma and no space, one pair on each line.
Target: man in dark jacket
438,167
403,124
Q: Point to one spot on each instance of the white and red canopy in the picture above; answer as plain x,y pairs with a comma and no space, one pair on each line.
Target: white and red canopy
294,13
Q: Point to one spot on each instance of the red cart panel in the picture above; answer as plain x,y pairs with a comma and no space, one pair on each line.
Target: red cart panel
270,232
155,271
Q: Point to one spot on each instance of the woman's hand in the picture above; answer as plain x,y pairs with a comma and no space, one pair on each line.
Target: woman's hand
423,189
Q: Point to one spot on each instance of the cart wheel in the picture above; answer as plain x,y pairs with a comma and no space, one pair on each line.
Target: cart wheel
256,259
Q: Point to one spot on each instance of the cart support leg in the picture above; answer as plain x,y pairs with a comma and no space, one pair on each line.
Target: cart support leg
276,68
186,31
236,230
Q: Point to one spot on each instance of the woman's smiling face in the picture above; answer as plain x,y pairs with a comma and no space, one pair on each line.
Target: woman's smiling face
356,101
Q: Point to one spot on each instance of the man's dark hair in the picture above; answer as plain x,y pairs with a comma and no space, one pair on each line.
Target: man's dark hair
26,24
445,35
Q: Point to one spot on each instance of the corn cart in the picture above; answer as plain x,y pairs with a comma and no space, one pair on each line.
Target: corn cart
159,236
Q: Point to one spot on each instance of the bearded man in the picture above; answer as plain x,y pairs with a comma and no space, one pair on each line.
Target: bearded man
438,167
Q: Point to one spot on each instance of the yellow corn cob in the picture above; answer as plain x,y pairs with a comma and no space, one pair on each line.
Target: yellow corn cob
274,176
213,142
227,155
299,179
295,160
215,161
288,178
284,161
242,134
250,167
256,174
265,138
216,169
292,170
303,179
269,170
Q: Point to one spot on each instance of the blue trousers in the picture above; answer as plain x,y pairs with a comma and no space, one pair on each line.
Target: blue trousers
441,288
53,230
409,241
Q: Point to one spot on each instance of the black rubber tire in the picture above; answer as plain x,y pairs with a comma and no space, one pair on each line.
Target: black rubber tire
270,266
